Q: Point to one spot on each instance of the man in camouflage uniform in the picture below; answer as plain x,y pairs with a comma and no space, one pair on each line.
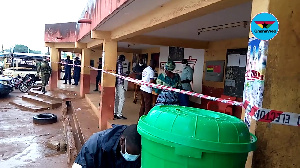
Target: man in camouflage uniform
44,71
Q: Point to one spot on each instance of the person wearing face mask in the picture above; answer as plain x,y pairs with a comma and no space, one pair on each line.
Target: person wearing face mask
138,69
117,147
186,79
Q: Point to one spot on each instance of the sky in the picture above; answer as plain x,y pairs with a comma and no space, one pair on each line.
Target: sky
23,21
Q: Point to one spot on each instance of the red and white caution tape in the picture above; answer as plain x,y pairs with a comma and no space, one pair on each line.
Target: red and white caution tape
259,114
163,87
272,116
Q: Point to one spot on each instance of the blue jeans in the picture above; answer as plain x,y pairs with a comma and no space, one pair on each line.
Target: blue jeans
183,99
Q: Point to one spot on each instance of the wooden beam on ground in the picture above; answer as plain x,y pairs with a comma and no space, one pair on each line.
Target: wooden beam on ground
173,12
129,50
186,43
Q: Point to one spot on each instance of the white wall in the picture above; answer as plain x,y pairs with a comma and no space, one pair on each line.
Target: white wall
197,56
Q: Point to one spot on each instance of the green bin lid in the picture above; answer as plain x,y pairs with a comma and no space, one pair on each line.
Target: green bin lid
197,128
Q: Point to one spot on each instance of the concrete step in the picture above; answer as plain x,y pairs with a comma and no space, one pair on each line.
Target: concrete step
42,101
40,94
86,120
94,101
52,95
29,106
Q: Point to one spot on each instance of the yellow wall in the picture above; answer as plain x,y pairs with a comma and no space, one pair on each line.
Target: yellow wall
217,51
95,55
279,145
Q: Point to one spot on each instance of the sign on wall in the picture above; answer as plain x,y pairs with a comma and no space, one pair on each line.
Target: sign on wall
235,72
255,74
176,53
214,71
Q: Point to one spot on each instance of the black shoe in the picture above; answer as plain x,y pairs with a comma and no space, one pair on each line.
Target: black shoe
122,117
116,117
64,83
96,90
44,90
75,84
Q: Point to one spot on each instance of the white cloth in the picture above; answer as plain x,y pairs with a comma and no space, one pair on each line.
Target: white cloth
147,75
119,99
75,165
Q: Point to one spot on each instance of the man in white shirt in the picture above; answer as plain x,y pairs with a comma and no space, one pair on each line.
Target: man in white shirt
146,91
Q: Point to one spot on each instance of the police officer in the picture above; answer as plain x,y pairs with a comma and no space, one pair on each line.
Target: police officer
44,71
77,69
68,70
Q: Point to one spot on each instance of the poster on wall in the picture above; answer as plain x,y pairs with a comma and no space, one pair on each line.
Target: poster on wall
214,71
255,74
235,72
176,53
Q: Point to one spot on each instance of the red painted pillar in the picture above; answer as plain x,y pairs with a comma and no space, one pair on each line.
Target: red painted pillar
55,54
107,99
85,72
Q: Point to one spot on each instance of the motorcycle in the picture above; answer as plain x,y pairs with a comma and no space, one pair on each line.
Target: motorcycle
17,81
25,83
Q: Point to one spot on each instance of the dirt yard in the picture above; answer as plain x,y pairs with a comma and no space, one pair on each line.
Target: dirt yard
24,144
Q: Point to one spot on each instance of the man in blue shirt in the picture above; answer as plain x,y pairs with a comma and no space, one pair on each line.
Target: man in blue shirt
117,147
68,70
77,70
186,79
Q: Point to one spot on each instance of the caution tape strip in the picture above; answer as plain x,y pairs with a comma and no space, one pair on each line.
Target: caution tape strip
258,114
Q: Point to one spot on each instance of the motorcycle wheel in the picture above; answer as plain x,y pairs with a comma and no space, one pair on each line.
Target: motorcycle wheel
23,88
30,83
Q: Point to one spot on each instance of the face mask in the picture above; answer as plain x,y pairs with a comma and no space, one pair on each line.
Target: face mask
127,156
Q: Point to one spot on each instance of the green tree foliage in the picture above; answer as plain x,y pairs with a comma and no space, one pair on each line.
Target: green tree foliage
19,48
35,51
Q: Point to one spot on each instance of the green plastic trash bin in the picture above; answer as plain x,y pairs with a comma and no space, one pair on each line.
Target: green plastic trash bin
185,137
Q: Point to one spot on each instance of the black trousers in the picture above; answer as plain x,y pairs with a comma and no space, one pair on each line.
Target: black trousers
68,76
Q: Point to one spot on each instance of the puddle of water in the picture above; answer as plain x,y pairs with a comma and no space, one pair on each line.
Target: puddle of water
16,139
28,155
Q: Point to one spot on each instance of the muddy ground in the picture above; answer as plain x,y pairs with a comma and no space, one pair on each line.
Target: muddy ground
24,144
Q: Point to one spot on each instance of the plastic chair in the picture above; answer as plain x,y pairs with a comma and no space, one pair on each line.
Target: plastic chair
221,107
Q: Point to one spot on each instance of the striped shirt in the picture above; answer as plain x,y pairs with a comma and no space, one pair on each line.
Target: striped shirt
120,81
